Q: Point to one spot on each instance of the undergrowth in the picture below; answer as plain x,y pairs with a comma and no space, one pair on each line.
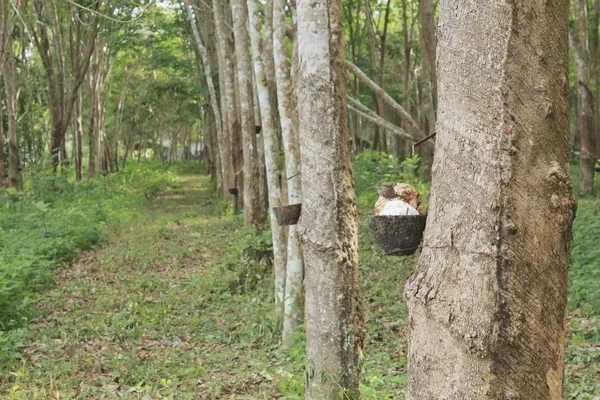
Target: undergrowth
51,221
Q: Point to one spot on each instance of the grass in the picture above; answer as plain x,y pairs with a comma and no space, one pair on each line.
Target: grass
172,307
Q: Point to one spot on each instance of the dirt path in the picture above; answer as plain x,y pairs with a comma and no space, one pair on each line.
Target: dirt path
138,318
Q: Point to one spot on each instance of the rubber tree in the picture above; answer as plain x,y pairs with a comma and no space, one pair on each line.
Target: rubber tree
328,227
428,66
44,23
487,300
12,87
289,133
271,154
251,165
585,119
214,101
229,115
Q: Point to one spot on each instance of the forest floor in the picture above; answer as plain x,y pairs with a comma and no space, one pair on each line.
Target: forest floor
154,315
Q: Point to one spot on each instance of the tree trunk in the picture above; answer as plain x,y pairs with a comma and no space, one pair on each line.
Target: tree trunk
401,143
214,104
2,169
12,89
271,155
226,71
487,300
294,270
334,323
251,165
428,73
587,157
377,138
78,138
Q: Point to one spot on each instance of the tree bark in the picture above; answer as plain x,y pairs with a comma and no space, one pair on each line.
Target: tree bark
229,115
12,87
78,138
214,104
2,169
251,165
585,120
377,138
294,270
429,75
329,229
271,155
487,300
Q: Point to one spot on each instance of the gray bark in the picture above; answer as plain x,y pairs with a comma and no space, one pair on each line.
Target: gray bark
251,165
329,229
487,300
271,154
214,104
585,120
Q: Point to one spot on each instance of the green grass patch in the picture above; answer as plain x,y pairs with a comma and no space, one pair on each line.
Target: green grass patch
51,222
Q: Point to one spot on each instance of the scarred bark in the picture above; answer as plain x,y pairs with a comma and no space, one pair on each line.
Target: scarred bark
487,301
271,154
251,165
329,229
289,133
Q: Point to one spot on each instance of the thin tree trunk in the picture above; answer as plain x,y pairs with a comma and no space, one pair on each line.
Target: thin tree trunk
413,127
428,73
251,165
78,138
377,138
487,300
587,157
269,64
294,269
233,126
214,104
359,109
2,169
401,144
329,229
12,89
271,156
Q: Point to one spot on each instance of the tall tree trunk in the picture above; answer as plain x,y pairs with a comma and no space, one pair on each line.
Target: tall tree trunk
294,269
487,300
92,132
214,104
329,229
378,143
226,71
401,143
429,78
587,157
78,138
12,89
269,63
596,60
251,165
271,156
2,169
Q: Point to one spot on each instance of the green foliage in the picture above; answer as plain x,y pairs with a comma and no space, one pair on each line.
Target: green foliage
584,276
249,261
52,221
